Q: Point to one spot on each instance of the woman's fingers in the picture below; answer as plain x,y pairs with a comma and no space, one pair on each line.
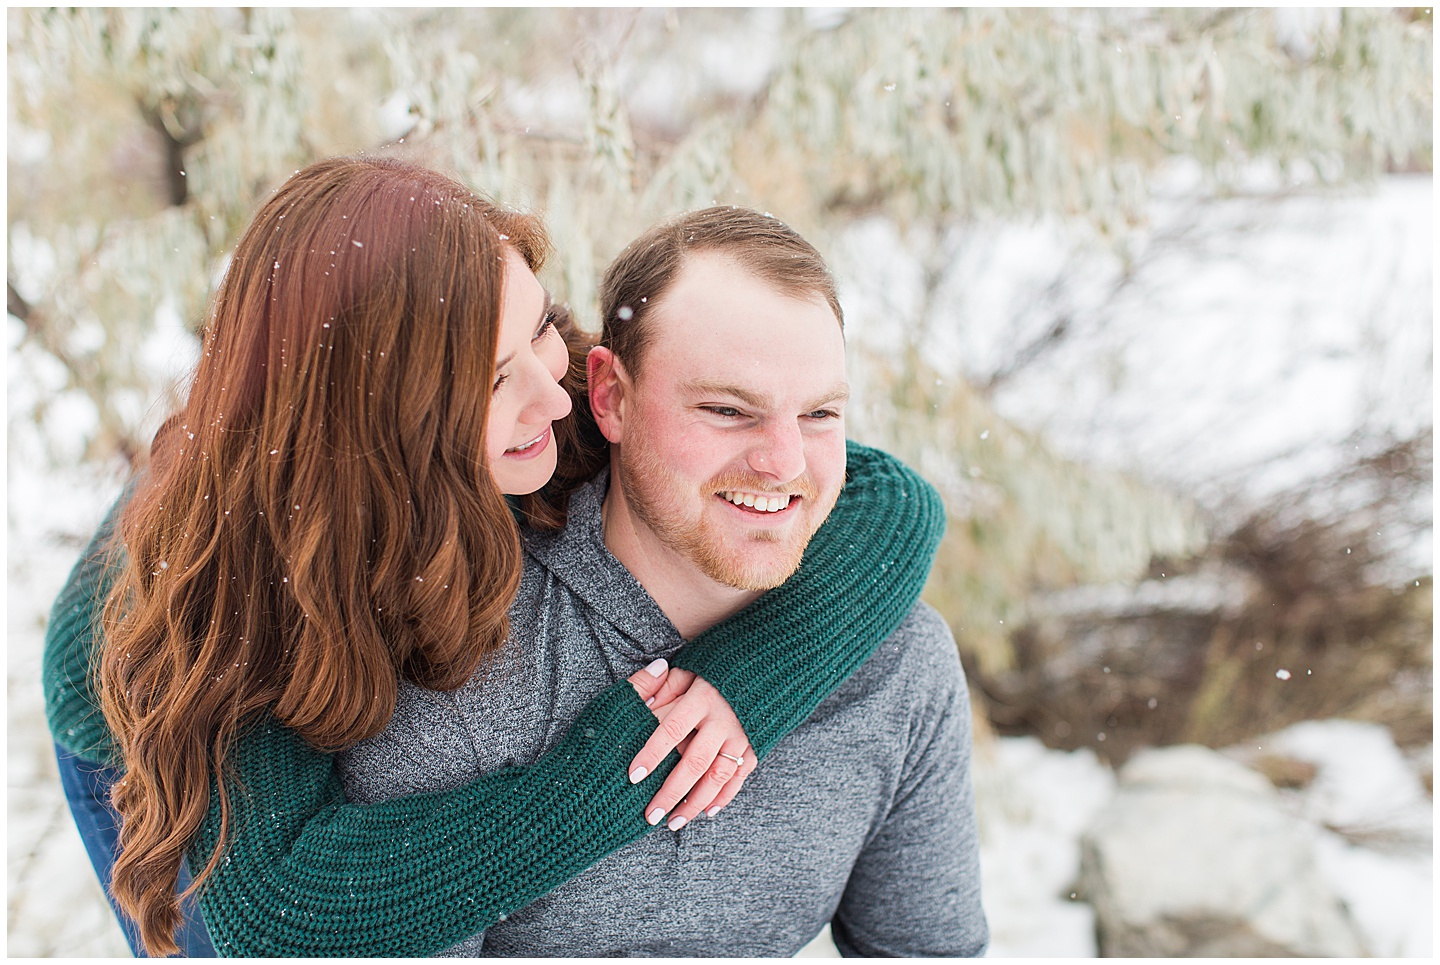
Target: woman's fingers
731,766
650,680
692,777
732,787
715,754
673,686
676,722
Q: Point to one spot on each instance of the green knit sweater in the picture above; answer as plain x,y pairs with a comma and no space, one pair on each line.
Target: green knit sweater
308,874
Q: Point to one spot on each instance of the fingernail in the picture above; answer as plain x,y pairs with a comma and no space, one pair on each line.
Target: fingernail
649,701
656,667
638,775
712,812
676,823
654,816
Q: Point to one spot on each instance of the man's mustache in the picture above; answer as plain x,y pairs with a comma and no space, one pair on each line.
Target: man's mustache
802,486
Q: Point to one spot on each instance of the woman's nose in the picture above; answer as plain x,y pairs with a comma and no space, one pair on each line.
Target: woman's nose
548,399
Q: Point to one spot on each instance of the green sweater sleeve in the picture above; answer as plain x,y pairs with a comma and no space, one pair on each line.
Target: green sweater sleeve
71,635
307,873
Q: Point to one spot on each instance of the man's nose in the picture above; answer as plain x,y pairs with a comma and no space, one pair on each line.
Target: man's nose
779,453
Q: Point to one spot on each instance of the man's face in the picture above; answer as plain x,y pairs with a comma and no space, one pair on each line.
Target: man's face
733,446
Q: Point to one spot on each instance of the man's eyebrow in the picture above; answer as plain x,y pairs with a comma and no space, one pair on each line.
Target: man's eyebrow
839,393
544,310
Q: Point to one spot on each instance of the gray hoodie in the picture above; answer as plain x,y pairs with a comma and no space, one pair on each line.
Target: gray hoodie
862,817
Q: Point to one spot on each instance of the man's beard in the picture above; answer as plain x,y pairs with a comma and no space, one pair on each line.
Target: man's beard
652,491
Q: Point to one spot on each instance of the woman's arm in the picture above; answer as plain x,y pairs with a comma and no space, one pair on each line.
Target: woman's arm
307,873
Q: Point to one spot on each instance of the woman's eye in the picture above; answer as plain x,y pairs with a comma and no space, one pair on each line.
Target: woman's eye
499,381
547,325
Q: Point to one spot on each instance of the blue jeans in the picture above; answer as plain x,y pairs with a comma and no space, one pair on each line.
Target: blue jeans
87,791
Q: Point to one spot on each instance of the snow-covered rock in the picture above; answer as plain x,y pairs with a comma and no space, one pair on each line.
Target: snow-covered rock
1375,824
1197,855
1032,803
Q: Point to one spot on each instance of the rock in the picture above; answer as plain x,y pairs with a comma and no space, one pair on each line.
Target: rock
1364,787
1286,772
1195,856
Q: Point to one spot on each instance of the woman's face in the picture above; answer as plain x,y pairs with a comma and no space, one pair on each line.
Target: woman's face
531,358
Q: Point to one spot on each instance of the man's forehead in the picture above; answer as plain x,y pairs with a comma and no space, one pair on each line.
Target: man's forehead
715,283
721,325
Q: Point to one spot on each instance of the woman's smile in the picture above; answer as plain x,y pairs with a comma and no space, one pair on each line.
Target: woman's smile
531,449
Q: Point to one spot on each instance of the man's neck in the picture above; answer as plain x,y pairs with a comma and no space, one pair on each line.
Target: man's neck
690,600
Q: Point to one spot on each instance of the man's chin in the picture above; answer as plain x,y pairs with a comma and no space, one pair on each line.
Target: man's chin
761,565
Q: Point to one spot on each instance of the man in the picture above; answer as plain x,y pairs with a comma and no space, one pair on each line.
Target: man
720,386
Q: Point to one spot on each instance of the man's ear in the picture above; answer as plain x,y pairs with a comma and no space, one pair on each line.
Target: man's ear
610,389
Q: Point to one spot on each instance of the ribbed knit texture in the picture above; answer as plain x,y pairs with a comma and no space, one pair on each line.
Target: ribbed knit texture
71,636
307,874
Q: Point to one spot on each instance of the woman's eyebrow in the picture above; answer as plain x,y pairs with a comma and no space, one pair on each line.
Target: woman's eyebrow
544,310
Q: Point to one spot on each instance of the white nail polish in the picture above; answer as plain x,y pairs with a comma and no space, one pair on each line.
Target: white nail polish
638,775
656,667
649,701
654,816
712,812
676,823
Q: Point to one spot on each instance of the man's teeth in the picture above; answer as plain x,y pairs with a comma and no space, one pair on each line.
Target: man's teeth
765,504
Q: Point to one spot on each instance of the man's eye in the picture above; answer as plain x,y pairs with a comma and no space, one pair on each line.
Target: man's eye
820,414
724,411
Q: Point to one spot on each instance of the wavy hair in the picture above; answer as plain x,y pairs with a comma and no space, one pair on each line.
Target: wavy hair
317,520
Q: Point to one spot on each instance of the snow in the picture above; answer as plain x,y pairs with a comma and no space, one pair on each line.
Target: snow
54,904
1033,804
1285,371
1364,783
1257,344
1365,792
1390,898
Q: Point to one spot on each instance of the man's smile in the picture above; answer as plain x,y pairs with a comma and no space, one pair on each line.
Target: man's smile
759,503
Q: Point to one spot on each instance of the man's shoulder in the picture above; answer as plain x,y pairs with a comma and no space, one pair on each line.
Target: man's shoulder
917,666
922,643
926,627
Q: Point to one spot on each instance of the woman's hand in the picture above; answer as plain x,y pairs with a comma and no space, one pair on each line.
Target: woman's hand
716,757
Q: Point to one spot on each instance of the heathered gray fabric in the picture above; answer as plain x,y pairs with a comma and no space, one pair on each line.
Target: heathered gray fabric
862,817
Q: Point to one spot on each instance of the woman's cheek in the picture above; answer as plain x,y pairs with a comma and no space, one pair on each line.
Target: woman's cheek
499,428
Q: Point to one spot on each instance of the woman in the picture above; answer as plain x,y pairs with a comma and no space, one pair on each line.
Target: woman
326,516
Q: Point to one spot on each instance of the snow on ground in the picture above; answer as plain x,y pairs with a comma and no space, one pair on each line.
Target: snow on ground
1233,344
1035,803
1376,844
1032,805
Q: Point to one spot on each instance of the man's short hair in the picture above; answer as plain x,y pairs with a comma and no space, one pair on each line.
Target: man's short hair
646,269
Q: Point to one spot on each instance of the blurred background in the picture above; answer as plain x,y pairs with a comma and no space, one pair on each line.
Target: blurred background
1147,294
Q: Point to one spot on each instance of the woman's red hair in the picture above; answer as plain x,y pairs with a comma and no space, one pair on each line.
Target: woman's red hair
317,521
